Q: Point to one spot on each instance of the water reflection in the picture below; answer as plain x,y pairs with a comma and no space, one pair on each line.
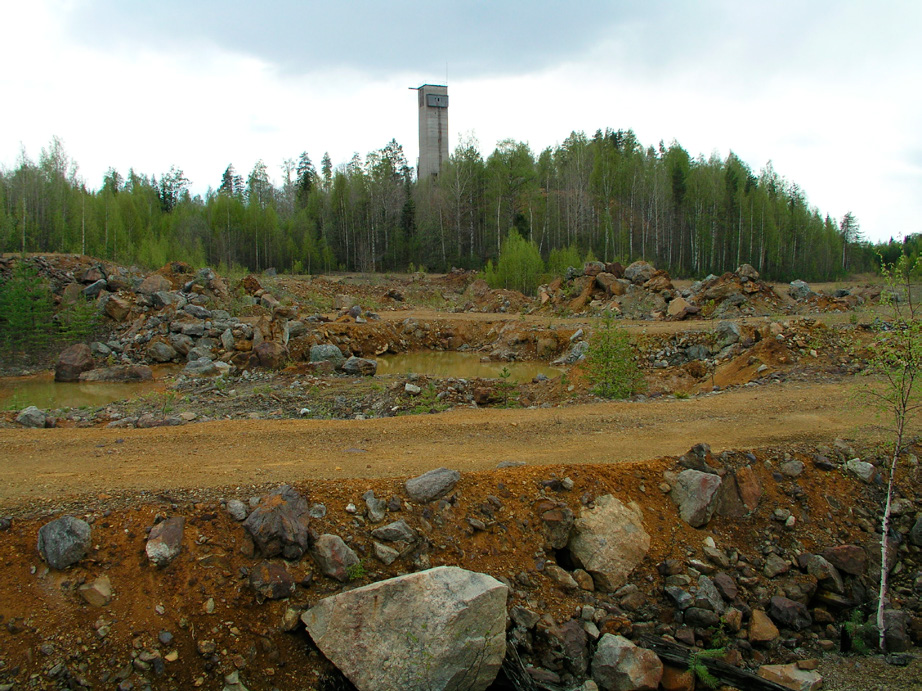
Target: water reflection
42,391
446,364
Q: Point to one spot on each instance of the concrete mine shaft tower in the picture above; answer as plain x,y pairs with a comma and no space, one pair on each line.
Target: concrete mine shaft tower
433,129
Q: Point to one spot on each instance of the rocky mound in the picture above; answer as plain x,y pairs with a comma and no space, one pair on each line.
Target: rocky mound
558,576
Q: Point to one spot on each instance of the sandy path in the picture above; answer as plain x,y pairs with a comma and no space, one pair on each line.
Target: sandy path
60,462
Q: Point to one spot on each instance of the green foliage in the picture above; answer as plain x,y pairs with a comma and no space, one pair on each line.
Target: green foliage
700,670
559,260
505,387
78,321
855,627
612,368
518,266
356,571
26,310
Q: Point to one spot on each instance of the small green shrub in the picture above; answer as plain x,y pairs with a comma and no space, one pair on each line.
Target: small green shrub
612,368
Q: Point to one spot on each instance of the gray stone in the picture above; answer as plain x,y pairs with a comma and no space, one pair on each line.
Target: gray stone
860,469
792,677
203,367
197,311
679,596
153,284
897,625
398,531
64,541
432,485
799,290
199,353
165,541
385,554
237,510
727,333
695,493
700,617
158,351
639,272
560,577
789,613
31,417
73,361
279,524
443,628
227,340
619,665
360,366
915,534
181,343
411,389
708,597
95,288
775,566
792,468
747,272
823,570
327,352
609,541
334,557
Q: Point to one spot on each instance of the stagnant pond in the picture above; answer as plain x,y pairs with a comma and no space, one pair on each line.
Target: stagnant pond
42,391
436,363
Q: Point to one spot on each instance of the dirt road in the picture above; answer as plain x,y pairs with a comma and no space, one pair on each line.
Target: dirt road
67,462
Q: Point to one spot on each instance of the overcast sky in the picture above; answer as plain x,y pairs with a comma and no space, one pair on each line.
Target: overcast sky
828,91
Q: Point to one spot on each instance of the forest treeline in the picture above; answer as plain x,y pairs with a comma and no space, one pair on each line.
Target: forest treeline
606,197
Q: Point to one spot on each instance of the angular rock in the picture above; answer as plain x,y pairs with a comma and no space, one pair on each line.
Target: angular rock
334,557
639,272
789,613
443,628
358,366
775,566
271,581
237,509
915,533
727,333
677,307
165,541
271,354
560,577
799,290
72,361
824,571
385,554
762,629
203,367
154,283
748,272
158,351
609,541
702,618
432,485
98,593
897,630
848,559
117,308
619,665
792,676
860,469
695,493
94,289
327,352
31,417
376,509
279,524
64,541
558,522
398,531
726,586
708,597
750,488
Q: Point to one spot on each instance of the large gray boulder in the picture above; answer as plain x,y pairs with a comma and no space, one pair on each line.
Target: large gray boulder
695,493
432,485
73,361
119,374
639,272
799,290
439,629
64,541
360,366
31,417
619,665
279,524
609,541
327,352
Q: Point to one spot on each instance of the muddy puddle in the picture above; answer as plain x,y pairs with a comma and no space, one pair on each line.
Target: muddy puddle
42,391
445,364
